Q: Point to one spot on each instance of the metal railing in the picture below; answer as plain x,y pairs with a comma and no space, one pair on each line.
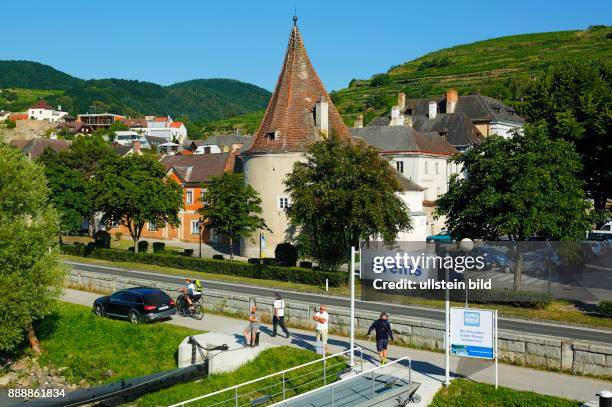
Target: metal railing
368,393
234,400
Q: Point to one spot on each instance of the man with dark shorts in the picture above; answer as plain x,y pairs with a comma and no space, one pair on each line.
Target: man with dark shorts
383,334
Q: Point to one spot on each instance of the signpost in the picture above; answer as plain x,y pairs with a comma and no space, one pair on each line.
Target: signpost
473,333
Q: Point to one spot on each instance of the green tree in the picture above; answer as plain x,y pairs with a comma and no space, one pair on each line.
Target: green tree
517,188
343,193
231,208
31,274
68,191
575,102
134,190
9,123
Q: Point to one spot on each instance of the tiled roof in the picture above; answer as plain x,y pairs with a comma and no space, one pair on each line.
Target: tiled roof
135,122
457,128
41,104
403,139
176,125
160,119
121,150
19,116
195,169
290,111
35,147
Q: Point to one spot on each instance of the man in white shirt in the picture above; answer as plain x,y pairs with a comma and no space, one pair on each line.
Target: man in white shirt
322,319
279,315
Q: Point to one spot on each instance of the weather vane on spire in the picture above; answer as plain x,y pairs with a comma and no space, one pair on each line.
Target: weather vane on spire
295,16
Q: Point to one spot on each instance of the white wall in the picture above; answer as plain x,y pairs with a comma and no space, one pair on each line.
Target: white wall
53,116
502,129
434,182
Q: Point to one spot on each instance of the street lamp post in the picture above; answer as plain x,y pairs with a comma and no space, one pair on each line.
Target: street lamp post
352,280
201,228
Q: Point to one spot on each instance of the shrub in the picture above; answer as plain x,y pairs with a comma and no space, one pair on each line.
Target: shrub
269,261
143,246
188,252
286,254
158,247
118,235
605,309
218,257
306,264
254,260
236,268
102,239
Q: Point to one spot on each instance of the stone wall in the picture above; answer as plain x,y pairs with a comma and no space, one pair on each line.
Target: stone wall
527,350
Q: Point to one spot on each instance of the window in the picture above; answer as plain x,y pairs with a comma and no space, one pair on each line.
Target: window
283,202
195,227
400,166
189,197
426,167
152,227
271,136
437,169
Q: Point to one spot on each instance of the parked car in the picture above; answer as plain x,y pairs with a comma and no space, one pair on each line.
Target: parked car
443,236
493,258
139,304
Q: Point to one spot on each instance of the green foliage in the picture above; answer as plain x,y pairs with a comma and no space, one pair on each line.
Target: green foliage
575,102
9,123
464,393
231,207
159,247
31,275
102,239
236,268
286,254
519,187
143,246
434,63
380,80
605,309
343,193
133,190
247,124
202,99
71,333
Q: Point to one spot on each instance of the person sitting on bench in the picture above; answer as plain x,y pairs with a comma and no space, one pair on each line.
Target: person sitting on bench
250,332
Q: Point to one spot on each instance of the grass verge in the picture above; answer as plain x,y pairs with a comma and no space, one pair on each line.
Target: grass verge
268,362
88,346
465,393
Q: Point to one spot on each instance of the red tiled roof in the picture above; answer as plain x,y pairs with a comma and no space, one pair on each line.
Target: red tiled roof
19,116
195,169
176,125
160,119
41,104
290,110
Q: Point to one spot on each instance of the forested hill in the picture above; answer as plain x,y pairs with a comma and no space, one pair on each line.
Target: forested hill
498,67
24,82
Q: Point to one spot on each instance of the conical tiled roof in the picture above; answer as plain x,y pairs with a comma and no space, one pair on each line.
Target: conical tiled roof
290,113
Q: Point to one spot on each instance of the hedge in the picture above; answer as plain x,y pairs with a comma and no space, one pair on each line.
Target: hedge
605,309
235,268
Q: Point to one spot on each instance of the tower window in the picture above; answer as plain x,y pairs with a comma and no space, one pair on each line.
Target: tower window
271,136
400,166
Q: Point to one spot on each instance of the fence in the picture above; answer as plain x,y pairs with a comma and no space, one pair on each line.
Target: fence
279,386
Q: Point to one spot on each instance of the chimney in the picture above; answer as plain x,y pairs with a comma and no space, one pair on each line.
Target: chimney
401,101
136,146
451,100
358,122
397,117
59,108
322,117
433,109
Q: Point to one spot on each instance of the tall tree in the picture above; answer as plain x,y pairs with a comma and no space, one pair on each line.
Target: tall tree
575,102
231,208
134,190
31,274
68,189
518,187
340,194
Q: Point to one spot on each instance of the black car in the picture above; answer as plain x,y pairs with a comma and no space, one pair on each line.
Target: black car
136,304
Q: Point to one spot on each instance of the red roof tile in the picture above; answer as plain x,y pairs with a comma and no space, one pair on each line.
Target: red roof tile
291,107
41,104
176,125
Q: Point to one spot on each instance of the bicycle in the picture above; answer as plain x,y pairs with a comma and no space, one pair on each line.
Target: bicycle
182,306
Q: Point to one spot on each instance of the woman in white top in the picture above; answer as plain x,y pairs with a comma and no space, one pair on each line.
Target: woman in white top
279,315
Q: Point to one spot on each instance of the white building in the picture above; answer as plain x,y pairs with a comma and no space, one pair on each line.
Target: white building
43,111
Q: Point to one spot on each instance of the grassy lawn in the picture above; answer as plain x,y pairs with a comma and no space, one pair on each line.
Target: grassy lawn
464,393
88,346
268,362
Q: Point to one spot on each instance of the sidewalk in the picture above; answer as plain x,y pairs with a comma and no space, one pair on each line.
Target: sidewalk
428,365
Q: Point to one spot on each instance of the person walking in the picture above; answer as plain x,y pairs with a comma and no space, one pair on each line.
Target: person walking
279,315
250,332
322,327
383,334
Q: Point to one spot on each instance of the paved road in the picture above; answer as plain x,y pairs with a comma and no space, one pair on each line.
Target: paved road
519,325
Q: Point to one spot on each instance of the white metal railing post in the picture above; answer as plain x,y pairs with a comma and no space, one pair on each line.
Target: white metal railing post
372,378
332,396
324,371
236,396
284,386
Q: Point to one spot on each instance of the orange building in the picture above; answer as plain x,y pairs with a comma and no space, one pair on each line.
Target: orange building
192,172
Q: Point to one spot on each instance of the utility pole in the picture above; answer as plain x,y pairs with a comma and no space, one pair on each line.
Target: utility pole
352,279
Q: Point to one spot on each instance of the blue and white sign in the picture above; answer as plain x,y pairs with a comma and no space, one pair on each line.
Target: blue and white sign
472,333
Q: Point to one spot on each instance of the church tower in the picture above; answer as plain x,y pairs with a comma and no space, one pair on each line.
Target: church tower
300,112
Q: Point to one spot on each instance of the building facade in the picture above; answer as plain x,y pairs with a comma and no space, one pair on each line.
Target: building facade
43,111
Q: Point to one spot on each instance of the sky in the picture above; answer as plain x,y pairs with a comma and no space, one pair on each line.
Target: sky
172,41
